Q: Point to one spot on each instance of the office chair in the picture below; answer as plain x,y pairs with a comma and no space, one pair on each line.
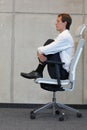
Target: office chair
55,85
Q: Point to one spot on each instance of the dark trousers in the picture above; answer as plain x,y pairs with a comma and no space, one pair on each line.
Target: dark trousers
51,68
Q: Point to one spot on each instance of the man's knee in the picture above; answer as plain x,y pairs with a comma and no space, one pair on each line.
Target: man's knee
48,42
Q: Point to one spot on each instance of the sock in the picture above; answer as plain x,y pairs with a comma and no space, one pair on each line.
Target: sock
40,68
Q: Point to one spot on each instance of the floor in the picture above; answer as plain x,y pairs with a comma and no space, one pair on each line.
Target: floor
19,119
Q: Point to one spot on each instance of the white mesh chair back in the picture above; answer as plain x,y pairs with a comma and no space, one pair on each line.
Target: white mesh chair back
76,59
78,52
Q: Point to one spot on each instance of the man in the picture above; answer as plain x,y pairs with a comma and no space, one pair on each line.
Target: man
59,49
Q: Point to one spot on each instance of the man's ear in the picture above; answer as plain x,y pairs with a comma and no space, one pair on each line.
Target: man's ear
65,23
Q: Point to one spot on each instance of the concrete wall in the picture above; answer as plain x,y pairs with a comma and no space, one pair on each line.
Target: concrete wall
25,25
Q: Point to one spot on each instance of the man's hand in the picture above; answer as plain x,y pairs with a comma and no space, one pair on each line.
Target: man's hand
41,57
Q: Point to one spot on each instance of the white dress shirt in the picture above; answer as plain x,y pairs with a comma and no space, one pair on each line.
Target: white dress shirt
64,44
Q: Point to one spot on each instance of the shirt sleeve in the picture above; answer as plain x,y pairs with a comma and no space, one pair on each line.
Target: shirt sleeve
60,44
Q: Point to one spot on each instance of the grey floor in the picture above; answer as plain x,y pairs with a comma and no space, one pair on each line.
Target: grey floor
19,119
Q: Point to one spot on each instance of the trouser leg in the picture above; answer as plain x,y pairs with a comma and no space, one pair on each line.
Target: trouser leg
52,70
41,67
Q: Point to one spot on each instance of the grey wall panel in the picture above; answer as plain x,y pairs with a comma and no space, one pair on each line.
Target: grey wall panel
5,56
49,6
85,6
6,5
31,31
5,75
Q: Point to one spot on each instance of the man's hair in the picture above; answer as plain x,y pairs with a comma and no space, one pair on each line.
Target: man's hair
66,18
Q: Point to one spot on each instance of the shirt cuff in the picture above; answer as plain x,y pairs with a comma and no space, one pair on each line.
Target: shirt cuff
40,50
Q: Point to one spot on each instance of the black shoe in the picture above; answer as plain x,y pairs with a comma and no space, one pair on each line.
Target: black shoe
32,75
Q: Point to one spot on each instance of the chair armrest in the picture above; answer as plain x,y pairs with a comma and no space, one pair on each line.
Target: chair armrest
54,62
57,64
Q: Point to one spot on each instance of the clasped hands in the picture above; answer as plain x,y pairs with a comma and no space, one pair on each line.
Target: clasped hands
41,57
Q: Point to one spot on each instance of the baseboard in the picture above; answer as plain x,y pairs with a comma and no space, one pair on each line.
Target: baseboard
19,105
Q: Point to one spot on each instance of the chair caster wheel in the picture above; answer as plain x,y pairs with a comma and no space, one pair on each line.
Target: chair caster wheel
61,118
57,112
79,115
32,115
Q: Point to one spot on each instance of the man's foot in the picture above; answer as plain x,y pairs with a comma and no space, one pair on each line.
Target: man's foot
32,75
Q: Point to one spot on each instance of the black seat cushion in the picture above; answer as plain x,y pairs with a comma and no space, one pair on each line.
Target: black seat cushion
51,87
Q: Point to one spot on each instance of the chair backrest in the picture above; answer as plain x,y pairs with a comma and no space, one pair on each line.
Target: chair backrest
77,54
76,59
80,30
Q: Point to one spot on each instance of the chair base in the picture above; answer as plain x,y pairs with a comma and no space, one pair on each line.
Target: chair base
56,109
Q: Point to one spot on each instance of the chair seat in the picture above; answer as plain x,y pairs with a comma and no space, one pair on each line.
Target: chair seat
51,81
51,87
51,84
